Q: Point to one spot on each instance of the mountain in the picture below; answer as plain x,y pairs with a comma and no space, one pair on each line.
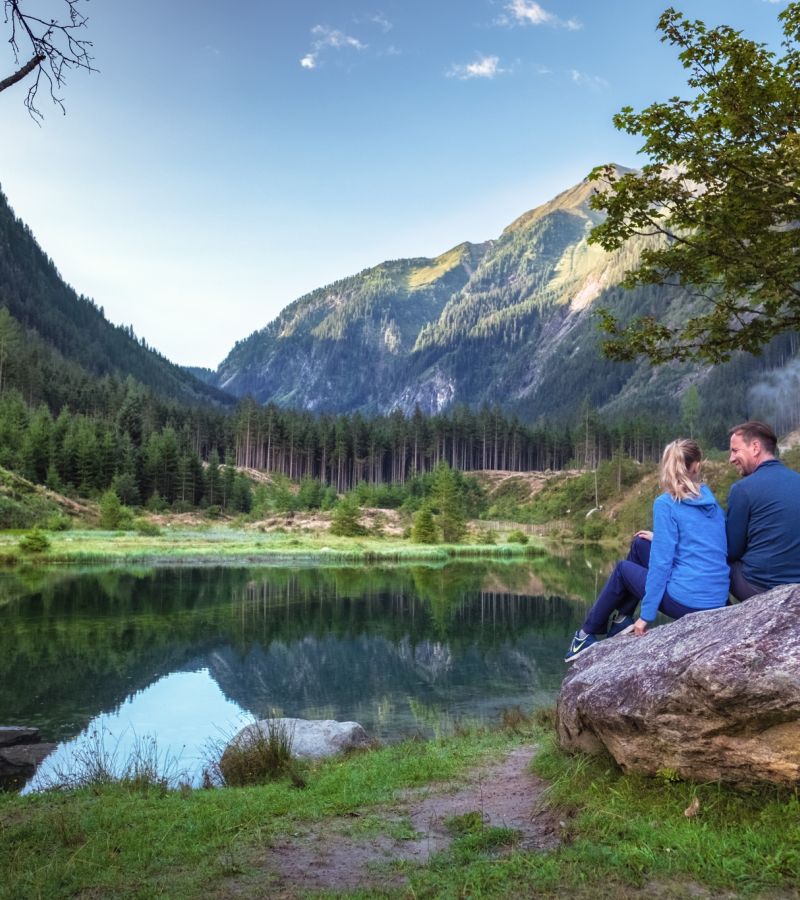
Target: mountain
510,322
342,347
67,341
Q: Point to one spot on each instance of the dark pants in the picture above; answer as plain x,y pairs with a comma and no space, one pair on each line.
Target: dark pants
625,588
740,586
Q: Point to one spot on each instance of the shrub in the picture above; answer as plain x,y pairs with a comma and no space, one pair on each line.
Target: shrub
594,529
34,542
57,522
517,537
146,527
487,536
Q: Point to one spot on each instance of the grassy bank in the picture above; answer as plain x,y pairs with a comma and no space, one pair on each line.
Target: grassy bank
219,545
620,834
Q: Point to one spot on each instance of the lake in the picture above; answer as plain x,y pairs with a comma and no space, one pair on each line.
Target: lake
188,655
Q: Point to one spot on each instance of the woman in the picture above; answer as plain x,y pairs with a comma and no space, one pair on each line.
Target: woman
678,568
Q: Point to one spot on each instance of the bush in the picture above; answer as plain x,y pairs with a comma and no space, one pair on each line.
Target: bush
146,527
34,542
214,511
517,537
57,522
594,529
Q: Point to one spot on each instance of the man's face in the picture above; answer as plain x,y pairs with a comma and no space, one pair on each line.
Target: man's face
745,457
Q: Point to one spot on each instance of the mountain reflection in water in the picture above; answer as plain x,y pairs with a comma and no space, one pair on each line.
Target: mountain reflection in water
402,650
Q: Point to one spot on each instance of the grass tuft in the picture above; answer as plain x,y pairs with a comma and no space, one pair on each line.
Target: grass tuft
96,764
259,755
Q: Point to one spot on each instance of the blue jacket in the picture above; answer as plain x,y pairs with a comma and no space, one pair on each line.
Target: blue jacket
688,556
764,525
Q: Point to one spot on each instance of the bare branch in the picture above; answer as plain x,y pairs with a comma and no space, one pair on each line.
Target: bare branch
21,73
55,47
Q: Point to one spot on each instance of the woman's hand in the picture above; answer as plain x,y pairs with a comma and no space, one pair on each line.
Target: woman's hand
639,627
647,535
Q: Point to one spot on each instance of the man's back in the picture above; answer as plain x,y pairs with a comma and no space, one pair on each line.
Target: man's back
763,525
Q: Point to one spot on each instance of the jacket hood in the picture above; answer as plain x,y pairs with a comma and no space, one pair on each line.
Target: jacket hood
706,501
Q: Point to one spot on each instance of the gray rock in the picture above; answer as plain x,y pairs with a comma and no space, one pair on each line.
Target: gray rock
714,696
311,738
21,760
18,734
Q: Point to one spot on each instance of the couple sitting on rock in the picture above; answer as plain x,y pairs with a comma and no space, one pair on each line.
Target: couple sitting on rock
695,555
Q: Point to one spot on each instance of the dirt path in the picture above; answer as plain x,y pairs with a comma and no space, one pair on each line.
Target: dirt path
333,856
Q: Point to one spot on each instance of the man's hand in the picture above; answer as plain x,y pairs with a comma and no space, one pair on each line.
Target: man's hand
647,535
639,627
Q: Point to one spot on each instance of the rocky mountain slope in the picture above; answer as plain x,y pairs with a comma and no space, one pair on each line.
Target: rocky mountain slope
511,322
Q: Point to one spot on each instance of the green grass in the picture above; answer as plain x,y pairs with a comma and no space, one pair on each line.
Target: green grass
114,841
222,544
622,833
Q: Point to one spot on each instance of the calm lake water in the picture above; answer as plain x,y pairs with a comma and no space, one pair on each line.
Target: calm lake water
190,654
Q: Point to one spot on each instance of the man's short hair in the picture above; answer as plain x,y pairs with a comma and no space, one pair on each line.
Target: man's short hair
750,431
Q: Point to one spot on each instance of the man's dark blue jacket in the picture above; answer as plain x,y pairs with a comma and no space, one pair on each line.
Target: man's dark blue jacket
763,525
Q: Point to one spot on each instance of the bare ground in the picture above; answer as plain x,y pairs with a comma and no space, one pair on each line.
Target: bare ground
332,856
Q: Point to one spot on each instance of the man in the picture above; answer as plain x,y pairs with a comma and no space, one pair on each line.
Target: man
763,521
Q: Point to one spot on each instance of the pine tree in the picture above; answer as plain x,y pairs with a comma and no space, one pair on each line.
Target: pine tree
447,498
345,521
424,529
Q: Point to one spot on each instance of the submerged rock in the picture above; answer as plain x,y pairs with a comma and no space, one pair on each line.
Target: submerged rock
714,696
310,738
21,751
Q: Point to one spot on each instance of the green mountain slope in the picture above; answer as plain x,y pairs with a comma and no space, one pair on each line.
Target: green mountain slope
69,333
341,347
512,321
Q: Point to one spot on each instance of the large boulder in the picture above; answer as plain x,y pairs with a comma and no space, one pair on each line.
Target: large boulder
714,696
310,738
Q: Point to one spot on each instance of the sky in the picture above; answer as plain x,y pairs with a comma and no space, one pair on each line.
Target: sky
226,159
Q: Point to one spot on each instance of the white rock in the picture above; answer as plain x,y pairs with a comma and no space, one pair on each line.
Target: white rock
311,738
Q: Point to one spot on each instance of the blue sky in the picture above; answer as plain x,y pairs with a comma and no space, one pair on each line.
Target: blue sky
228,158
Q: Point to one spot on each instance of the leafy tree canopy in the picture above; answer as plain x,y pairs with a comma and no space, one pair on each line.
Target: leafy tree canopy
719,199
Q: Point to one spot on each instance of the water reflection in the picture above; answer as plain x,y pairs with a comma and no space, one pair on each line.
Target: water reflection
185,653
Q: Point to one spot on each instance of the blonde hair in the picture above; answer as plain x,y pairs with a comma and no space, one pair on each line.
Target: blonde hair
678,458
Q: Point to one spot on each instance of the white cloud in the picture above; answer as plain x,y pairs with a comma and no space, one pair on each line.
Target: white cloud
593,82
483,67
382,22
328,38
529,12
332,37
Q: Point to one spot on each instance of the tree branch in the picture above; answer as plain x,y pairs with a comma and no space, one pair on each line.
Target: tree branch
21,73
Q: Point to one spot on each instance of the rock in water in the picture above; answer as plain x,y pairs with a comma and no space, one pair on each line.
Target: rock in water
311,738
714,696
21,751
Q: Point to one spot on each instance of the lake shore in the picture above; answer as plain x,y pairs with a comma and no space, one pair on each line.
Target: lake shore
221,545
589,826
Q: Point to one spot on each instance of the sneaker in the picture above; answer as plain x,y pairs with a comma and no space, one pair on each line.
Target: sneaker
579,645
621,626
